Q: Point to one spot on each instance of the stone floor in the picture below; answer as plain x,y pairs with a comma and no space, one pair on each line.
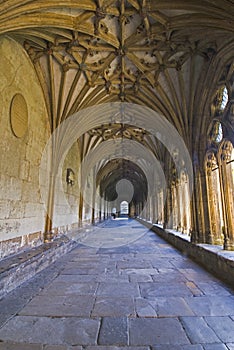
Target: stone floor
127,291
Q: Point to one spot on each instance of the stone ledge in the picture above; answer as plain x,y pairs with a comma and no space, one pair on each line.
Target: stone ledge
213,258
18,268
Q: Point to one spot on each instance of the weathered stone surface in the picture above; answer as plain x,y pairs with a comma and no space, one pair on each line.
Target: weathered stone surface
117,348
216,347
178,347
118,289
51,331
113,306
113,331
211,305
223,327
68,288
198,331
156,331
213,288
162,307
67,306
144,308
152,290
22,346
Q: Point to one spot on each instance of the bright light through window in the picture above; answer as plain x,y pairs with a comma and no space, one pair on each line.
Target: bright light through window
224,98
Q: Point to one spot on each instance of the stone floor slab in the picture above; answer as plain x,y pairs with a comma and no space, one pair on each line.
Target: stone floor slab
211,305
178,347
14,346
113,331
65,288
70,306
198,331
117,348
51,331
223,327
113,307
118,289
171,306
156,331
215,347
153,290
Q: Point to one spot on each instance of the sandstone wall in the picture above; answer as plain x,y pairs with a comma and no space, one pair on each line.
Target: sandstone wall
21,210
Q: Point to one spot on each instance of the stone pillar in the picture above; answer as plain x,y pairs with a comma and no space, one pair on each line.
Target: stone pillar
198,225
215,227
227,196
168,210
81,204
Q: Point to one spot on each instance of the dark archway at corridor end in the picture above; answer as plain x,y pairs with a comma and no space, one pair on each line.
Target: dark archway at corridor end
123,180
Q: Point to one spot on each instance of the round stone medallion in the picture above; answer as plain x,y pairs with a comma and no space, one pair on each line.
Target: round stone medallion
19,115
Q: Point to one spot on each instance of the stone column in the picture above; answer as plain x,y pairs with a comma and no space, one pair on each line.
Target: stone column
227,197
215,237
198,225
48,234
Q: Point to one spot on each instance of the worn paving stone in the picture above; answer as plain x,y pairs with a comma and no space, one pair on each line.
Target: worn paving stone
113,331
118,289
213,288
198,331
178,347
62,347
132,271
65,288
134,264
211,305
135,278
112,278
168,276
144,308
51,331
156,331
230,346
215,347
223,327
15,346
72,305
76,278
117,348
84,271
169,307
197,275
152,290
115,307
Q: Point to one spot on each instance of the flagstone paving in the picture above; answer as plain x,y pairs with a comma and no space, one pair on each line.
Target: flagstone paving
138,293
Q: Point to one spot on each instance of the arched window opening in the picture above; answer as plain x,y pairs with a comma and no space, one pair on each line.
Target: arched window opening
124,208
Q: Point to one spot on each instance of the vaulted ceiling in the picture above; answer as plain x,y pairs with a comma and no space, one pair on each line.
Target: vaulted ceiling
168,55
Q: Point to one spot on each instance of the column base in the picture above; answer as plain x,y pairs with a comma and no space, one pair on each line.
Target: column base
228,245
48,237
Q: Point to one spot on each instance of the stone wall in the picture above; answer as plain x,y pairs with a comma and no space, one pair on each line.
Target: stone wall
22,213
67,195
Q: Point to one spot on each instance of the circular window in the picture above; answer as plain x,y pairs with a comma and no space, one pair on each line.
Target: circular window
19,115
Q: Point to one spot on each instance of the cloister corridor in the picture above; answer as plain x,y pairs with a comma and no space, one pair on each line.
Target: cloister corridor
127,289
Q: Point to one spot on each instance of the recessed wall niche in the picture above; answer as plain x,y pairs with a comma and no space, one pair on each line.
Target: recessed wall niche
19,115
